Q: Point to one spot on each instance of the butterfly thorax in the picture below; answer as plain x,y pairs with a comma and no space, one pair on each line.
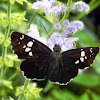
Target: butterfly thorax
57,48
56,55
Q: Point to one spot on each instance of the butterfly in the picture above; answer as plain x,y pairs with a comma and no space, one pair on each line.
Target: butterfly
41,63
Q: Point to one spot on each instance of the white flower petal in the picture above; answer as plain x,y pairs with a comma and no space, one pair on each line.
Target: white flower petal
37,5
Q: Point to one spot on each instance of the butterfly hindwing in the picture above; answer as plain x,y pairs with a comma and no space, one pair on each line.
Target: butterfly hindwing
62,72
35,69
26,47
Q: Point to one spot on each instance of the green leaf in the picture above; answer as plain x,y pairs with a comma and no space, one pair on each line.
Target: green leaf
32,92
5,22
94,96
21,1
89,80
96,63
61,95
1,38
9,62
17,18
11,98
12,1
6,83
29,5
84,97
87,38
7,42
48,87
19,90
12,57
3,99
4,19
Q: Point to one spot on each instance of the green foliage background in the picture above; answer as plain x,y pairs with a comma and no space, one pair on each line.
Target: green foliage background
86,86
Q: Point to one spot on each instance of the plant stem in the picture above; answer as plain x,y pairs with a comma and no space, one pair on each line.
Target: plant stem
25,87
66,15
6,36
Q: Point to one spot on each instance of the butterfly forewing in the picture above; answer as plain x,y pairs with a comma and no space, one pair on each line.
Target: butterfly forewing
26,47
80,57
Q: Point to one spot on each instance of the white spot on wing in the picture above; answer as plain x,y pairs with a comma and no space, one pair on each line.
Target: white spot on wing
27,49
91,50
29,44
22,36
30,54
18,42
85,57
82,53
82,59
24,46
77,62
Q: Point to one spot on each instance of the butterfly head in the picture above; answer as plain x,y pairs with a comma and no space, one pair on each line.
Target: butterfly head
57,48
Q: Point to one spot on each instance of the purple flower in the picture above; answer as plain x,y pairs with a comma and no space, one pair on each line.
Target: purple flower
55,11
43,40
33,31
78,24
72,6
65,33
69,43
45,4
65,43
52,2
63,8
82,6
79,8
57,26
72,28
65,23
86,8
55,38
37,5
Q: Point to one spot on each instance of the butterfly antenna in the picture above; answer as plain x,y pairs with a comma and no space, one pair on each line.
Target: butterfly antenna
48,34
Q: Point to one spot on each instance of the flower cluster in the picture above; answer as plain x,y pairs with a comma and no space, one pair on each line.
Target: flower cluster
65,43
80,7
69,27
55,38
62,30
50,7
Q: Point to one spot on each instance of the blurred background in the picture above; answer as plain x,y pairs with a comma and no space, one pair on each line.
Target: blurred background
86,86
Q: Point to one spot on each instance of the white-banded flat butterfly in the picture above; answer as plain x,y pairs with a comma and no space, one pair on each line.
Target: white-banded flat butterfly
42,63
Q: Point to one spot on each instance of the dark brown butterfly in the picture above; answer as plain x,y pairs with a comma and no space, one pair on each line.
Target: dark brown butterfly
42,63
